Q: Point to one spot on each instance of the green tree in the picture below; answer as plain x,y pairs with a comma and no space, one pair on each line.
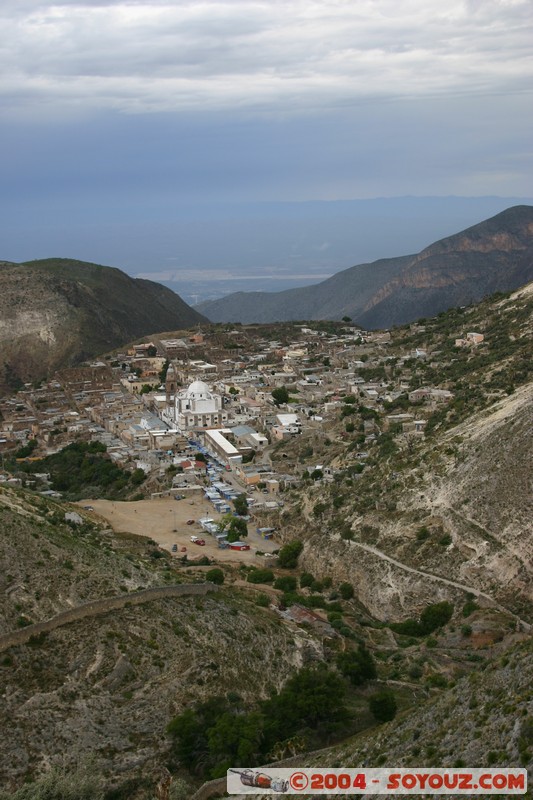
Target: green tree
234,527
26,450
289,553
234,740
383,705
312,700
240,505
280,395
163,373
357,665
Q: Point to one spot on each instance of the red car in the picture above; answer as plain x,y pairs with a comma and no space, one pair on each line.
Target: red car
201,542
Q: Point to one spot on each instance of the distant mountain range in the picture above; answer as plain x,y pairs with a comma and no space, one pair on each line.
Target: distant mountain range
495,255
55,312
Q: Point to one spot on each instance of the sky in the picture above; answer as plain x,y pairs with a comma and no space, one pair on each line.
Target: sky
182,138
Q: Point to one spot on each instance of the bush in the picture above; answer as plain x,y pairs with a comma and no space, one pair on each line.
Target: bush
432,617
59,785
286,583
346,591
215,576
383,705
262,600
289,553
422,534
437,681
469,607
306,579
260,576
357,665
436,616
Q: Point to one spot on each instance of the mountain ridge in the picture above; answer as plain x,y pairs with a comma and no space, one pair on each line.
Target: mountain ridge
57,312
494,255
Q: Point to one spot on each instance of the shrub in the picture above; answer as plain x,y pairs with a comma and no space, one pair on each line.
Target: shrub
383,705
260,576
346,591
469,607
422,534
60,785
215,576
286,583
357,665
262,600
306,579
289,553
437,680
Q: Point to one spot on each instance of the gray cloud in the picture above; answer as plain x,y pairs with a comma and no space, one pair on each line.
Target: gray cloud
284,55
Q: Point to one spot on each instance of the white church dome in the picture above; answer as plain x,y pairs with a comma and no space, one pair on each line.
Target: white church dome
197,390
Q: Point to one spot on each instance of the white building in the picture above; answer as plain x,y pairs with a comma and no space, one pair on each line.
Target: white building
197,407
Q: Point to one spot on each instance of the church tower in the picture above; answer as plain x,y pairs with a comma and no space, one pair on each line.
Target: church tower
170,386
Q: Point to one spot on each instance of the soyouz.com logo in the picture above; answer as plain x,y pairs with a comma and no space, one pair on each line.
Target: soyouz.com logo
377,781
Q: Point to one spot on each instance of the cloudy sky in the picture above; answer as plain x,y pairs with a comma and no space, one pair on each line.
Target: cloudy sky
132,130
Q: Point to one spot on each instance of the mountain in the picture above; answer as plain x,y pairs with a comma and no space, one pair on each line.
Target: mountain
495,255
56,312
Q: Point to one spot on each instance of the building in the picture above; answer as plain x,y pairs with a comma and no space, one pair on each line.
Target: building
218,446
197,408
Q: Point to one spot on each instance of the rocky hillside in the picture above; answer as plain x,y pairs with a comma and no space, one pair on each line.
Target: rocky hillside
496,255
484,720
442,514
126,672
58,312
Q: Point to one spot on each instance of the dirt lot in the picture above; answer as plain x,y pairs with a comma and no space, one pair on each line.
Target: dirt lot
165,521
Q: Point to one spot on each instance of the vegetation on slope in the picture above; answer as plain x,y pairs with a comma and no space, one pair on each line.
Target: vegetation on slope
83,469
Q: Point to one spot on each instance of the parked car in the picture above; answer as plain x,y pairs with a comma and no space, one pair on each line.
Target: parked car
174,548
201,542
178,497
194,539
190,522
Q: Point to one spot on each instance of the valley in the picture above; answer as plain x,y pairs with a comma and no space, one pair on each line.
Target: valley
365,502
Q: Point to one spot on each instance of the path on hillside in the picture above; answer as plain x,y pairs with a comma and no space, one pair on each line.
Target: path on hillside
423,574
102,606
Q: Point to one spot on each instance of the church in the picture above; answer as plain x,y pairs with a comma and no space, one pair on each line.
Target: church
194,408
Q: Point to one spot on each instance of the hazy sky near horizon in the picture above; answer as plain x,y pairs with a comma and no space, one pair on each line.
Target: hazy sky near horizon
125,114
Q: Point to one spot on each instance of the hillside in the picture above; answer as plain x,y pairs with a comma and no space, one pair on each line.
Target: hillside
411,575
415,514
495,255
124,671
58,312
